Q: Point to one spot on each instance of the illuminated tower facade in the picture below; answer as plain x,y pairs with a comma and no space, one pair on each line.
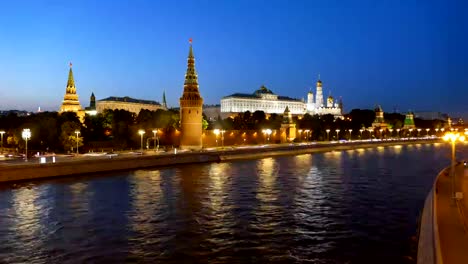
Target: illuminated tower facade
310,101
288,127
319,94
191,108
70,101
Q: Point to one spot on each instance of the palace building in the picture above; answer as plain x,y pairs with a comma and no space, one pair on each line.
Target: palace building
265,100
128,104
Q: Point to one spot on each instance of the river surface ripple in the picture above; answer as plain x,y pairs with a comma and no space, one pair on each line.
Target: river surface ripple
356,206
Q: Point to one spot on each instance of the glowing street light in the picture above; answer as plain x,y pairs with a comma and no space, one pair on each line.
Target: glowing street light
410,130
141,132
307,134
1,141
391,132
453,138
437,131
398,132
381,134
350,130
419,130
26,134
155,132
77,133
427,132
370,132
337,131
328,134
268,133
360,131
216,132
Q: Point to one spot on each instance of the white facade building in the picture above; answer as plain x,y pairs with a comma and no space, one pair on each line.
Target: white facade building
265,100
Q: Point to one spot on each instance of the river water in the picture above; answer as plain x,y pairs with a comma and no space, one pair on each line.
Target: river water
356,206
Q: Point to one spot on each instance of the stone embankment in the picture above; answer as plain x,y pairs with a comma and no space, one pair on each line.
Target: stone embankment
30,171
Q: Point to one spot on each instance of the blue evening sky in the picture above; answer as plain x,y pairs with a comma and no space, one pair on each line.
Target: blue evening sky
400,54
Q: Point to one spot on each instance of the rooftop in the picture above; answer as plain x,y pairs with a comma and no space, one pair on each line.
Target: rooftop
127,99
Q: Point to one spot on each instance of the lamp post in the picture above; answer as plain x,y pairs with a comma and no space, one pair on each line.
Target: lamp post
391,132
350,131
141,132
381,134
337,133
410,130
26,136
268,133
222,138
307,134
216,132
436,131
370,133
427,132
1,141
328,134
77,133
398,132
453,138
156,138
360,131
419,130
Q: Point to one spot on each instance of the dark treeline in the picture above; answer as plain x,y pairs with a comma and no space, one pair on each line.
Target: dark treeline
118,129
357,119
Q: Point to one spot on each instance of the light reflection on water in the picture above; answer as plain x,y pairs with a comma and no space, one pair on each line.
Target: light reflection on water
343,206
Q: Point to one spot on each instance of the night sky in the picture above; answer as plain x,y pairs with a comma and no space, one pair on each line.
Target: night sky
404,55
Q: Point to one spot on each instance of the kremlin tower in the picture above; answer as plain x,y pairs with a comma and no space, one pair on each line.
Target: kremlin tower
319,94
70,101
191,108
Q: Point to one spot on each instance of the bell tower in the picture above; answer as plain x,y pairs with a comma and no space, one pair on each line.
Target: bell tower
191,104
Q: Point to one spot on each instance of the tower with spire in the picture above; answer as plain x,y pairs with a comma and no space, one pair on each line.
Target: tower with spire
288,127
319,94
70,101
191,104
164,103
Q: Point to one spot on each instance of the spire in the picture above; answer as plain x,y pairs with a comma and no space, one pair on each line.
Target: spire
71,81
164,99
191,77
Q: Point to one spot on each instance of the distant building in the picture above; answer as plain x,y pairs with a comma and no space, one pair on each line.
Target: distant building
91,109
212,112
379,121
428,115
262,99
409,121
127,103
265,100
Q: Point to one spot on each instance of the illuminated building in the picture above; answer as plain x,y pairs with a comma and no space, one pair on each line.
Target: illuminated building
379,121
288,127
91,109
409,121
127,103
265,100
191,108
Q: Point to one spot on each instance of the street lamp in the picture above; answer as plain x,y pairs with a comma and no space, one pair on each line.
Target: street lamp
370,133
398,132
26,136
337,131
410,130
452,138
268,133
1,141
141,132
77,133
427,132
307,134
350,130
419,130
155,132
381,134
328,134
360,131
222,138
216,132
391,132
